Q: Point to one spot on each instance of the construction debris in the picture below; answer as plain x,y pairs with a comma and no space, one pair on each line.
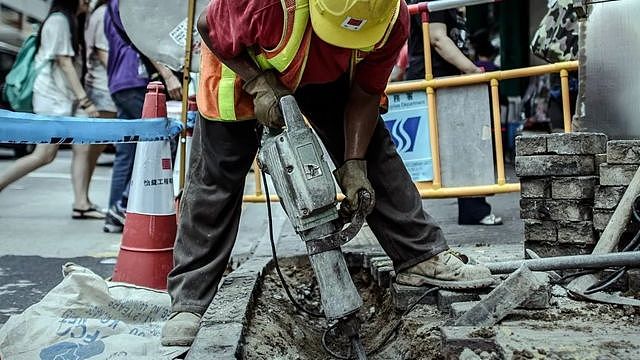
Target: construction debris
504,298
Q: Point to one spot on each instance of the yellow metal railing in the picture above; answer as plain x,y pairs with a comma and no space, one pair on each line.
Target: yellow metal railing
435,188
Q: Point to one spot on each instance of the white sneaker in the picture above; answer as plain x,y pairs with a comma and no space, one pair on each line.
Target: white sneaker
491,220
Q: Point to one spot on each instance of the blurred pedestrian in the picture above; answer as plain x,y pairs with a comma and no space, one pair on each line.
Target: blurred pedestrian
128,72
449,55
58,91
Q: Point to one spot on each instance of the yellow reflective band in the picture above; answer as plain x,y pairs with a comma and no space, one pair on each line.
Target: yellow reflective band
284,58
226,94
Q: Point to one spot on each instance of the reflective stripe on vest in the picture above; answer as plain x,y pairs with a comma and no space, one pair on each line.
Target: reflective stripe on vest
226,94
278,58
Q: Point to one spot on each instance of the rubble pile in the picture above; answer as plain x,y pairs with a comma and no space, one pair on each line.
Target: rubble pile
559,175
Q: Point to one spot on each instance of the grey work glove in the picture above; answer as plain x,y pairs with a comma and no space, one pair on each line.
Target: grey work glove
352,177
267,91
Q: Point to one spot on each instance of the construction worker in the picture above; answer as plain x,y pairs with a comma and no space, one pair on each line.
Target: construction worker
335,57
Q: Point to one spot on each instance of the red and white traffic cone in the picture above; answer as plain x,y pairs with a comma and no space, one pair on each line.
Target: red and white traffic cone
146,252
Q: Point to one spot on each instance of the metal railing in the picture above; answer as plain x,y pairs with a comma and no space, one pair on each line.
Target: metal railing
435,188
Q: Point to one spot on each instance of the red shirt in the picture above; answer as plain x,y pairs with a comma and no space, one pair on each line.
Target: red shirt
235,25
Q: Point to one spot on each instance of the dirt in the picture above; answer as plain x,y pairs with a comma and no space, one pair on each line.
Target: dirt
278,331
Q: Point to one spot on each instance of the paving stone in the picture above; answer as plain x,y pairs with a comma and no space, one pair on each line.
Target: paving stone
601,218
564,210
455,339
384,276
540,297
576,232
634,280
547,249
555,165
576,143
599,159
534,188
217,341
233,301
366,264
617,175
404,296
608,197
446,298
540,230
579,187
531,145
457,309
468,354
623,152
504,298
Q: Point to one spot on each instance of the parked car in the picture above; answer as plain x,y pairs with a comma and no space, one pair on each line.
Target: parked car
10,41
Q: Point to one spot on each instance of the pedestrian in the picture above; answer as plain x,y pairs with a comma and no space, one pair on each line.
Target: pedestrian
449,56
58,91
335,57
128,72
97,53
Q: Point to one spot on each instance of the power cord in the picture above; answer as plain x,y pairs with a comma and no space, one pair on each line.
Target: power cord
275,255
387,338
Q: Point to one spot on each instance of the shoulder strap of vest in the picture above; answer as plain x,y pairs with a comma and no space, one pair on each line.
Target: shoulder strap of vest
296,19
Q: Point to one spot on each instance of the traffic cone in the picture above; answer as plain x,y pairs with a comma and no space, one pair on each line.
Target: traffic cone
146,252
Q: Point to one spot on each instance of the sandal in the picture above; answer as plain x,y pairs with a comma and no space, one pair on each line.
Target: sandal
91,213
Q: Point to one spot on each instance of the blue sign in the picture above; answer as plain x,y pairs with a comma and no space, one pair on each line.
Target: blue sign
408,123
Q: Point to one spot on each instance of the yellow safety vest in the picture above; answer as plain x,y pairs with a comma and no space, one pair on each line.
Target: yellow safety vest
220,96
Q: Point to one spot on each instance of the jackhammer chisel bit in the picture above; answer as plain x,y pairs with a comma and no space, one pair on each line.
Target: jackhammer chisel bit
302,178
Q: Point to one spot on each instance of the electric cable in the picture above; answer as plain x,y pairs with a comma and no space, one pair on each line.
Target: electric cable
275,256
391,335
610,280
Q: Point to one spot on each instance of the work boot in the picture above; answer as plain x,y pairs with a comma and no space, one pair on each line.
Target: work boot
448,271
180,329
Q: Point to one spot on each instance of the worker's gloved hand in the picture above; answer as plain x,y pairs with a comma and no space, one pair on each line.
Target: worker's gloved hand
267,91
352,177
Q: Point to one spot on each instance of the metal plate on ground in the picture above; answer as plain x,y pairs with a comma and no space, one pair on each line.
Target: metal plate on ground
159,29
612,78
464,131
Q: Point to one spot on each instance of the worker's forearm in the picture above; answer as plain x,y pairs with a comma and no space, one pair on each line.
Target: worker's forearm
103,56
361,119
71,75
447,49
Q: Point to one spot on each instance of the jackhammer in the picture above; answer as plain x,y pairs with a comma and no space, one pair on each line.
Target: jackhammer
303,181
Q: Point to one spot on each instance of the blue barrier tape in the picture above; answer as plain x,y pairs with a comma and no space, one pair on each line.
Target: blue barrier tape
26,128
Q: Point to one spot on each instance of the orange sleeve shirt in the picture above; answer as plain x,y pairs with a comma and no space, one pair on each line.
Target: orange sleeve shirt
235,25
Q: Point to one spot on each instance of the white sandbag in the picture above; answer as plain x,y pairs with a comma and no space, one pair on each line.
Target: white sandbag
86,317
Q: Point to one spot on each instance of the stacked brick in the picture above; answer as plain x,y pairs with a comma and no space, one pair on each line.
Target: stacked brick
559,175
622,161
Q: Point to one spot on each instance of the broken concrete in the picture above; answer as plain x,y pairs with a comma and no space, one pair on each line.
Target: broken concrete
564,210
535,188
447,298
623,152
504,298
555,165
608,197
578,187
404,296
617,175
576,143
531,145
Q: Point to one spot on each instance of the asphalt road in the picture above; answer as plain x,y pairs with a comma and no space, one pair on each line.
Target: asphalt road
38,236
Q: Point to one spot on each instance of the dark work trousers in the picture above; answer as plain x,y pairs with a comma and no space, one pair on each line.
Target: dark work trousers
221,155
472,209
